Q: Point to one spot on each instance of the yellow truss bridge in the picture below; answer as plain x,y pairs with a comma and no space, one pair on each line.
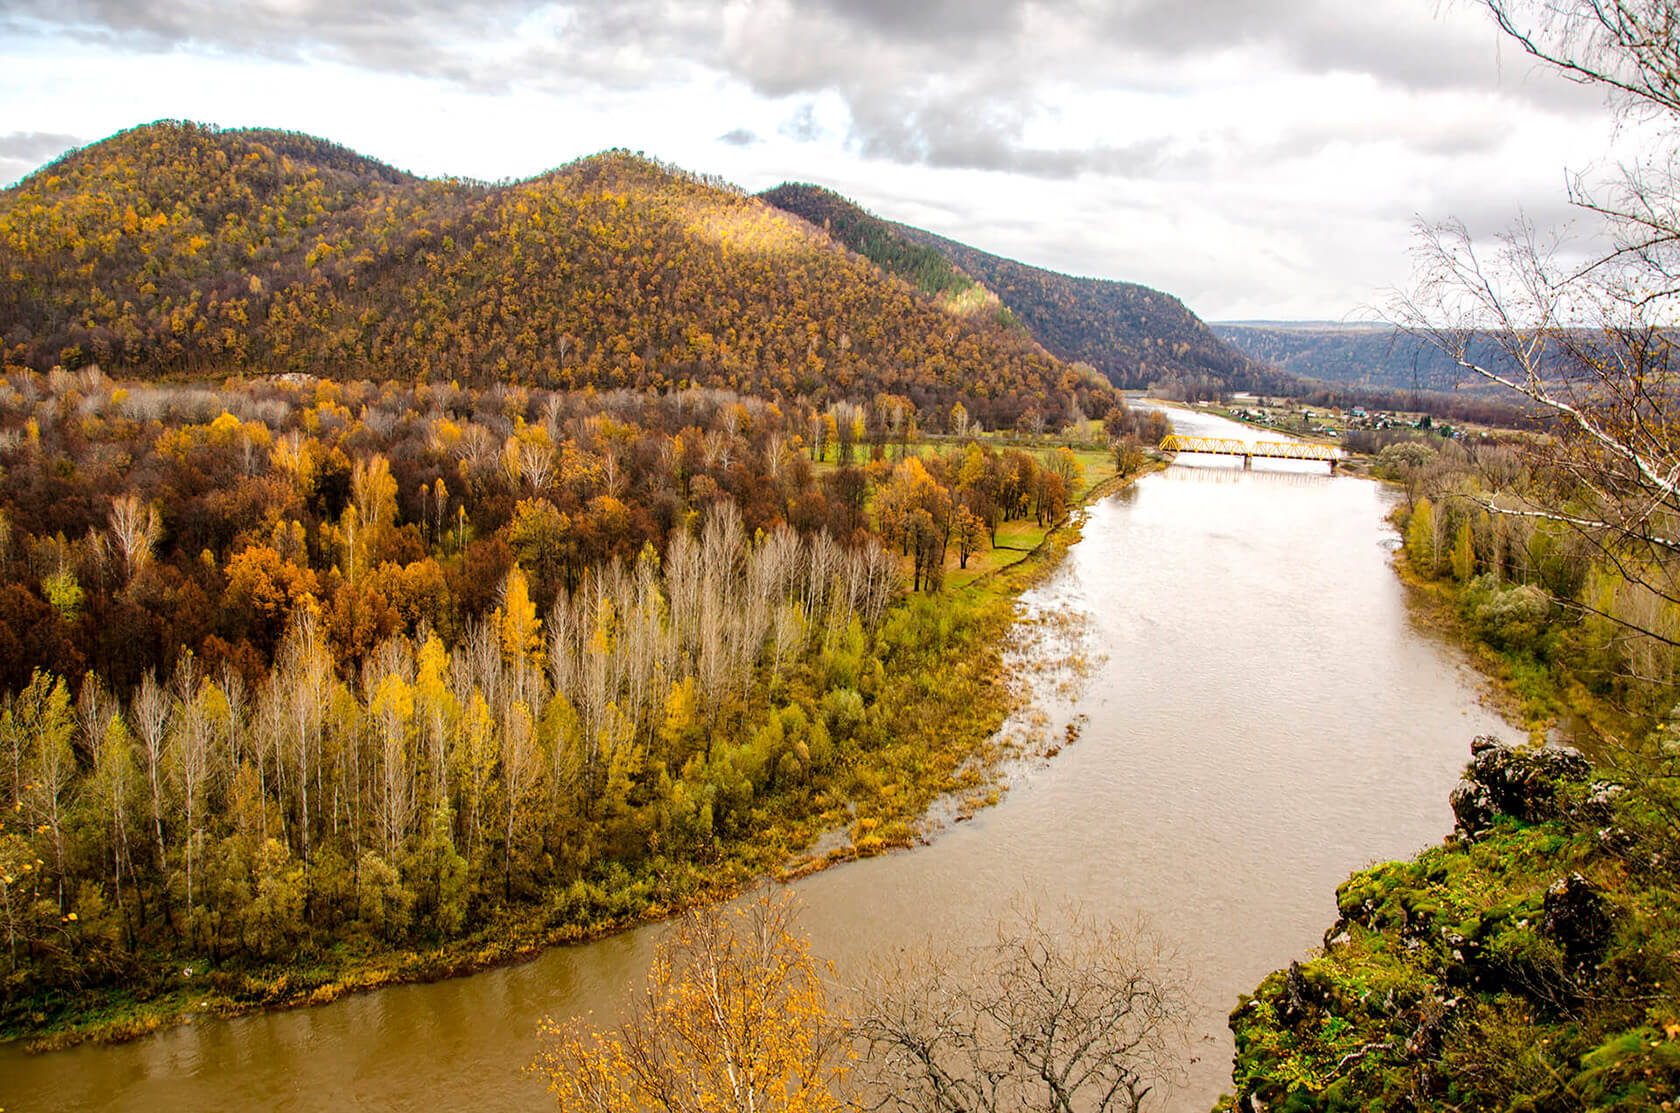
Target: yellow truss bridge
1248,450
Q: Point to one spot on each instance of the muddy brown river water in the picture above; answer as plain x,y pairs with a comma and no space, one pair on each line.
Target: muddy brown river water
1263,719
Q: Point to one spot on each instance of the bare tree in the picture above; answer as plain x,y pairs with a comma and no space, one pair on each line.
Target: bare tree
521,768
193,758
1629,47
388,683
1076,1015
135,528
300,686
97,712
150,708
536,465
1586,337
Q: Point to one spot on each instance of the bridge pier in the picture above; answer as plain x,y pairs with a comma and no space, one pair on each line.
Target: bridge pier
1248,463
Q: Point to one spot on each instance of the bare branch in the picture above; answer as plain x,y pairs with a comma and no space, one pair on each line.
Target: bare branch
1074,1015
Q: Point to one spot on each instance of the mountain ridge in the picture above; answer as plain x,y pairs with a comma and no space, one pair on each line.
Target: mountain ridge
1134,335
1369,354
182,248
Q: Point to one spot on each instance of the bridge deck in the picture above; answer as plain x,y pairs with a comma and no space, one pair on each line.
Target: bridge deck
1230,446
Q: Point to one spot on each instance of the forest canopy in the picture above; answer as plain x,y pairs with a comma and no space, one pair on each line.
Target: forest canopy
183,249
298,663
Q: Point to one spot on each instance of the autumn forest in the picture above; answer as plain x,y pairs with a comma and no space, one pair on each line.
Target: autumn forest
399,575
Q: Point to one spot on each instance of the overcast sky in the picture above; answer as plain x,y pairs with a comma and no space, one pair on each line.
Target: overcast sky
1257,158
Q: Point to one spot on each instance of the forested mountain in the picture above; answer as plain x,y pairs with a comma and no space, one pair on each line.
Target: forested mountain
1362,354
1134,335
181,248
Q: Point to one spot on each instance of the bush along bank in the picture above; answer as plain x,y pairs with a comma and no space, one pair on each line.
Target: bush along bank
1529,963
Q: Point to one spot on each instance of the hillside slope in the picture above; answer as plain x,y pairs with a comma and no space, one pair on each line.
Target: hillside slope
1134,335
886,245
178,248
1528,963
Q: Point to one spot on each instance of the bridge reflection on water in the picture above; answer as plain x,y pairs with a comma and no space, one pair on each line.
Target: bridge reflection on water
1208,471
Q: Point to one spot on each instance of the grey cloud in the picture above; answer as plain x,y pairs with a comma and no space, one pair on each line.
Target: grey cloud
980,128
739,137
950,83
1458,138
13,169
1445,138
937,21
782,45
363,30
489,45
35,146
957,85
1317,35
966,136
1487,215
24,151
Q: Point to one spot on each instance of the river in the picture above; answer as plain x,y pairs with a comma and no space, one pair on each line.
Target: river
1262,719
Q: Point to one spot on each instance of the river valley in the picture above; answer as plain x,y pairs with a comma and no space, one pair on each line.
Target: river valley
1260,719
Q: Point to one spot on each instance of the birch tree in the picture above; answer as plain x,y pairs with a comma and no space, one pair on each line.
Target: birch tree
1583,330
192,758
151,712
135,529
41,717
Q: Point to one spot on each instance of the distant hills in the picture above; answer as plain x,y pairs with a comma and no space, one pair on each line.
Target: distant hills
1135,336
1358,354
177,248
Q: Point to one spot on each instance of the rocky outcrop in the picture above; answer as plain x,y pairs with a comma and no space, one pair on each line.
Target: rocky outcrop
1516,932
1511,781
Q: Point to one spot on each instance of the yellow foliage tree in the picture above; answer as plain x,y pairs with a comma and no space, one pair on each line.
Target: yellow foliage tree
517,620
1420,537
1463,554
733,1019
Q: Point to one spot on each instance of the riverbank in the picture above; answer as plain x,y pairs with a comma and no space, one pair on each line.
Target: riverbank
1548,702
1529,962
1532,960
944,746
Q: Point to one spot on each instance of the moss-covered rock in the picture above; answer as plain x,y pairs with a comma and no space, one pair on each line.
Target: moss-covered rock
1528,963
